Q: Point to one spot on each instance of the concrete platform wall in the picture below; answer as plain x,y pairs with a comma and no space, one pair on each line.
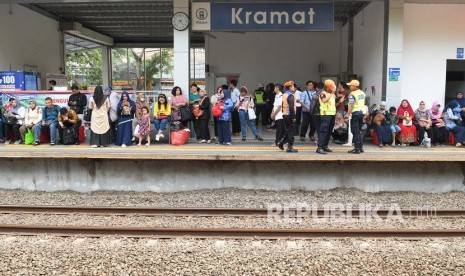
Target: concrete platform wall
86,175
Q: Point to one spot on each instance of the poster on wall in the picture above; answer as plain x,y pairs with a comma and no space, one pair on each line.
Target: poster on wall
23,98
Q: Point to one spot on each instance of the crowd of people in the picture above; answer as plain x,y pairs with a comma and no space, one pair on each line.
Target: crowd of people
319,112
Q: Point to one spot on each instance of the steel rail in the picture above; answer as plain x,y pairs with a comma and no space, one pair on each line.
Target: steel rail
209,212
221,233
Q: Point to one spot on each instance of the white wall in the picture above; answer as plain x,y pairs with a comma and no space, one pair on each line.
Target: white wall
368,48
28,38
432,34
263,57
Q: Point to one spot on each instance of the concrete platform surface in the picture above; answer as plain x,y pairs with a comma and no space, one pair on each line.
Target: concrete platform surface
250,151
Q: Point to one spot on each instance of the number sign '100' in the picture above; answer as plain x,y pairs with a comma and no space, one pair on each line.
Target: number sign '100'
8,79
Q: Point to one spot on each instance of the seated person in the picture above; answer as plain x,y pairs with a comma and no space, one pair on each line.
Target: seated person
453,122
340,132
68,119
49,122
395,128
439,127
381,122
408,131
161,113
423,122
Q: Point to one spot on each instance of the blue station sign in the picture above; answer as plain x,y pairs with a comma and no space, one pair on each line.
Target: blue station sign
294,16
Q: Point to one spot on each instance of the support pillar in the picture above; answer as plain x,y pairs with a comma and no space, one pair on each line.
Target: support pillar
106,66
394,34
181,50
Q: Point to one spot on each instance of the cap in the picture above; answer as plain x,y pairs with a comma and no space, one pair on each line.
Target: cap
289,84
330,84
108,88
260,85
354,83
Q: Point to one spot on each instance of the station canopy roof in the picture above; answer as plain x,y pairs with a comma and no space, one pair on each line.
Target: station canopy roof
140,21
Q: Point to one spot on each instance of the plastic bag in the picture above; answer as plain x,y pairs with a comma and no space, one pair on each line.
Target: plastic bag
29,137
180,137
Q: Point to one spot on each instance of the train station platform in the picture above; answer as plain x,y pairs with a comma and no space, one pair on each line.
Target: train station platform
250,165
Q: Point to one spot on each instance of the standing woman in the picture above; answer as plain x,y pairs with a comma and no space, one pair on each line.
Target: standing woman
204,118
408,131
213,100
176,102
126,109
99,123
244,102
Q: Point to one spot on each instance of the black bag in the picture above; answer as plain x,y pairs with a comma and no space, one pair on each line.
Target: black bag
88,115
176,126
69,137
186,113
11,121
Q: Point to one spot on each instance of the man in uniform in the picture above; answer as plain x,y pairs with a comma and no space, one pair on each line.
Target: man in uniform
356,105
289,116
328,115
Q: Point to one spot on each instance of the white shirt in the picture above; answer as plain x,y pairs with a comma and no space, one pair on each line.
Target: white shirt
297,98
278,101
235,95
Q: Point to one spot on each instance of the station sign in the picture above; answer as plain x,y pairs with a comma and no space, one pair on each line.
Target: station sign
394,72
295,16
460,53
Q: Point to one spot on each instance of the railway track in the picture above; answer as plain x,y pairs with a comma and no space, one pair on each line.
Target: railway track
211,212
217,233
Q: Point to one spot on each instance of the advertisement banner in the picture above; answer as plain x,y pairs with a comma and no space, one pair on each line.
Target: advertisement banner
23,97
295,16
10,81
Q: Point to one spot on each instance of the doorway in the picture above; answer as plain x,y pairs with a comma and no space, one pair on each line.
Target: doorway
455,78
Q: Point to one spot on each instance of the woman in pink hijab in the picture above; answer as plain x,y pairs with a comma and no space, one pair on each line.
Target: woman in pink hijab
439,128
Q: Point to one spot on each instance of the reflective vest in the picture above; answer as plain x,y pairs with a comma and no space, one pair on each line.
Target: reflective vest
329,107
259,96
359,100
286,108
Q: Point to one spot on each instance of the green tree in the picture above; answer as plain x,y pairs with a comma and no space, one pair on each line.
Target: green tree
85,67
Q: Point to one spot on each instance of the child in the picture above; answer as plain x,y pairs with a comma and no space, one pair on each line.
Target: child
144,126
394,127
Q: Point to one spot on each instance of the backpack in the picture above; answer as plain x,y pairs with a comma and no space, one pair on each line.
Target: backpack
216,110
69,137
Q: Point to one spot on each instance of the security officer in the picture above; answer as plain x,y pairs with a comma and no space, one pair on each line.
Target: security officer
356,105
327,114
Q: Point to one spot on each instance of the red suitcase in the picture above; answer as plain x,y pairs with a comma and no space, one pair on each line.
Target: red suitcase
45,136
82,134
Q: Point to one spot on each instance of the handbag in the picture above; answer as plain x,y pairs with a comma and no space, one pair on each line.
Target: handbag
378,119
251,114
136,131
196,109
126,110
216,110
29,137
186,113
162,117
88,115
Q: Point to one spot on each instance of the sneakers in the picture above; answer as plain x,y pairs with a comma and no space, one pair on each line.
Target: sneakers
209,141
227,144
36,143
292,150
243,139
17,142
123,145
7,142
93,146
161,135
281,146
321,151
202,141
327,149
157,137
259,138
52,143
355,151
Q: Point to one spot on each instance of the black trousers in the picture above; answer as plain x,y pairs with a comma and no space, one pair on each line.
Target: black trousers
307,122
204,130
356,128
280,129
261,110
12,129
289,132
316,120
269,110
298,115
215,124
76,131
421,132
439,134
236,122
112,132
196,123
326,129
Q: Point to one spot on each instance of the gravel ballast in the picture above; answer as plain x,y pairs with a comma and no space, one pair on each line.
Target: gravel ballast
234,198
45,255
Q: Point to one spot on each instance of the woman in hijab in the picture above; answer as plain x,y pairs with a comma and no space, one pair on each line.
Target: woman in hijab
126,109
439,128
381,122
408,131
452,120
459,98
423,122
99,123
